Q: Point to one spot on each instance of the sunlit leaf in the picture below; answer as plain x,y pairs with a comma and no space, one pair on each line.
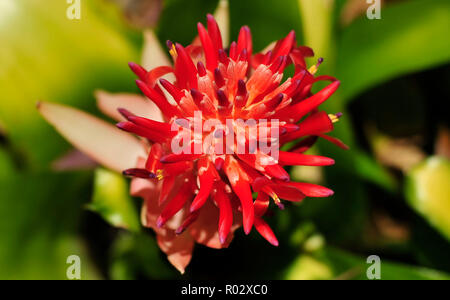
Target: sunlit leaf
411,36
112,201
101,141
47,56
332,263
428,192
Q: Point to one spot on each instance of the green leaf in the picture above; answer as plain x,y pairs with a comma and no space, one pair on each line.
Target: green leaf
134,255
428,192
112,201
369,169
179,19
6,164
269,20
317,19
39,217
46,56
411,36
307,267
332,263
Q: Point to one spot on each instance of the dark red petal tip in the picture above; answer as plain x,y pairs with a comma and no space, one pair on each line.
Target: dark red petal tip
125,113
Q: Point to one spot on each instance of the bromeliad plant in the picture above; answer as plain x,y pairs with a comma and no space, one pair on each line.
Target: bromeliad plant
205,196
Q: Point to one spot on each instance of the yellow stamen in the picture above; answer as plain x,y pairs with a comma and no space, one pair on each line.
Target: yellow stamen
276,199
313,70
334,118
159,174
173,51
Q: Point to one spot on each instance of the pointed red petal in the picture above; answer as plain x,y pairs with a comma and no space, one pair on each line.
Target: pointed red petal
226,213
299,110
185,70
261,204
214,32
298,159
265,231
153,163
312,190
208,47
167,186
138,70
141,131
206,178
315,124
176,203
187,222
242,189
160,101
335,141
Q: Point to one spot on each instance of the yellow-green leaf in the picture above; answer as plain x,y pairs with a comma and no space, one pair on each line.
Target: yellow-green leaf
428,192
112,201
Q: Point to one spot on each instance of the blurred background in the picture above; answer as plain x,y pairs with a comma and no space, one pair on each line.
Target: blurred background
392,192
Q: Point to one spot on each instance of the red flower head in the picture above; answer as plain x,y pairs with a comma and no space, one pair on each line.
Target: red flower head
228,86
226,113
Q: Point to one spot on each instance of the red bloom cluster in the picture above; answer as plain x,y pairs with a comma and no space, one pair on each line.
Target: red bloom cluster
234,84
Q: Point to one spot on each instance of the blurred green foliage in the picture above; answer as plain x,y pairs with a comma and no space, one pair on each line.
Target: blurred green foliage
46,56
39,217
112,201
428,192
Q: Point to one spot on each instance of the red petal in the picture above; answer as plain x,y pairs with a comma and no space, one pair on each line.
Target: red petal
285,46
277,171
160,101
299,110
174,91
176,203
266,232
315,124
261,204
206,178
214,32
167,186
138,70
335,141
245,41
312,190
187,222
298,159
185,70
226,213
141,131
209,48
157,73
162,128
177,168
242,189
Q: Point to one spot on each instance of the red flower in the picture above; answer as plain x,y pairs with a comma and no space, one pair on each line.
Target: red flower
230,85
204,194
